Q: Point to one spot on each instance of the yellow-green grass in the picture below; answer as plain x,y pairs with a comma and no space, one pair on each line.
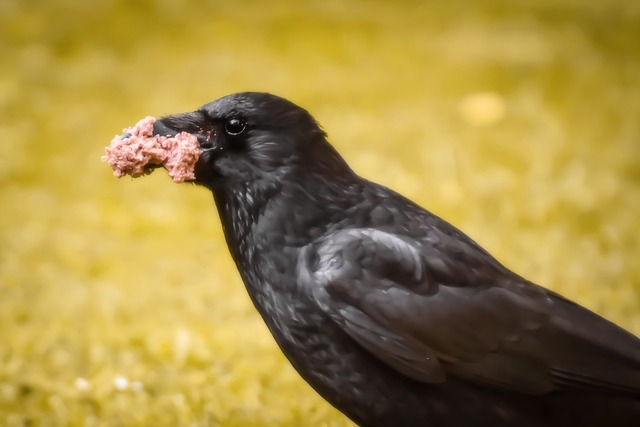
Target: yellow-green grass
119,305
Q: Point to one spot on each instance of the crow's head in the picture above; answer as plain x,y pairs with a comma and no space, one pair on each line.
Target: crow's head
252,137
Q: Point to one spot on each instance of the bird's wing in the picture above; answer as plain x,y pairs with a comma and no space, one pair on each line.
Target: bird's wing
394,299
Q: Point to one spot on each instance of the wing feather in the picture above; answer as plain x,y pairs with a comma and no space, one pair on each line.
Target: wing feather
383,291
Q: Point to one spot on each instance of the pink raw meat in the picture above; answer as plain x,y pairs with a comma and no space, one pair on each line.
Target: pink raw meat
129,156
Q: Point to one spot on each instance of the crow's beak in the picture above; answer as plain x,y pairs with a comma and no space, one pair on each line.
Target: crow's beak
186,122
192,123
160,128
173,125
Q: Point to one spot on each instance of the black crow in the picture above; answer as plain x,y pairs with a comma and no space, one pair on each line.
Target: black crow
393,315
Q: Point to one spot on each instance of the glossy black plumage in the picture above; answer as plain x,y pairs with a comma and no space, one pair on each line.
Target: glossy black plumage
393,315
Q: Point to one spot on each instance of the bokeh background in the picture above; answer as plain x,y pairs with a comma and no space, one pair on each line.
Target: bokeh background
518,121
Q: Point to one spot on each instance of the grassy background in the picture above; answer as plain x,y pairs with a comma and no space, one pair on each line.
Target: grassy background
518,121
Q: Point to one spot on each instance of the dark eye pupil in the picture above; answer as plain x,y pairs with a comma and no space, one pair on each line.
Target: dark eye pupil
234,126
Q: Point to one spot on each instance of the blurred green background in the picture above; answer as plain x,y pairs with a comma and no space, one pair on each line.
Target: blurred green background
518,121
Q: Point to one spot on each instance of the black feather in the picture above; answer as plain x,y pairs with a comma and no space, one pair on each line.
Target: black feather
392,314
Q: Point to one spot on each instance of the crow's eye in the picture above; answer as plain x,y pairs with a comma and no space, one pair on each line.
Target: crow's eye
234,126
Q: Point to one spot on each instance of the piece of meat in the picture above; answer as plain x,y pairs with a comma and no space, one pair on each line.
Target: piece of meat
132,152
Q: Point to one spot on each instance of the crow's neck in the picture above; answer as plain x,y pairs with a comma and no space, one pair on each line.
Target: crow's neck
289,213
240,208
